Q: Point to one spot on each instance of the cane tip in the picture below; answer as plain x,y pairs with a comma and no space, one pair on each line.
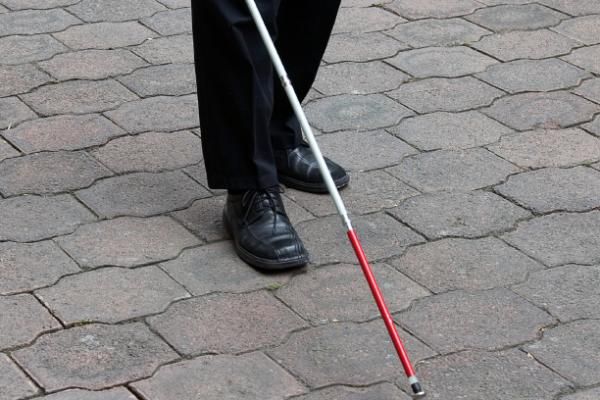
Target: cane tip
417,390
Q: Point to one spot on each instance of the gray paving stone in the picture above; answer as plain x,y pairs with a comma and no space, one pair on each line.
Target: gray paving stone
20,79
150,152
65,132
446,62
346,353
49,173
32,218
78,97
559,239
506,375
584,395
23,318
439,94
175,80
12,112
554,189
453,170
120,354
516,17
181,3
24,49
361,47
216,268
433,9
450,131
157,114
549,148
92,64
533,75
579,7
593,127
583,29
515,45
542,110
586,57
381,236
127,242
486,320
29,22
3,9
568,293
437,32
7,151
247,377
383,391
198,173
355,112
368,19
36,4
358,78
204,218
453,264
572,350
226,323
589,89
105,35
171,22
78,394
14,385
340,293
114,10
173,49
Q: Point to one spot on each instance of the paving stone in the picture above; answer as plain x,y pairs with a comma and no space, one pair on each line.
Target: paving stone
65,132
92,64
579,7
111,295
358,78
358,20
452,264
78,394
346,353
433,9
516,17
167,50
583,29
216,268
568,293
487,320
439,94
157,114
549,148
586,57
559,239
127,242
361,47
94,356
538,44
554,189
378,392
247,377
151,152
572,350
198,173
584,395
14,384
114,10
437,32
24,49
368,192
12,112
36,4
172,80
339,293
170,22
450,130
35,21
226,323
589,89
542,110
78,97
7,151
446,62
23,318
381,237
204,218
20,79
533,75
177,3
105,35
355,112
506,375
593,127
49,173
32,218
453,170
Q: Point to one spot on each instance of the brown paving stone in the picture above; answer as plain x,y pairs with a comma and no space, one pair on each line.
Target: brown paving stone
127,242
166,50
105,35
383,391
12,112
20,79
24,49
435,9
586,57
516,17
437,32
176,79
29,22
358,78
94,356
114,10
583,29
368,19
205,218
78,394
357,47
171,22
14,385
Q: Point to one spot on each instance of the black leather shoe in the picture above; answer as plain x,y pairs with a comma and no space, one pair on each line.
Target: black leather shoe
262,232
297,168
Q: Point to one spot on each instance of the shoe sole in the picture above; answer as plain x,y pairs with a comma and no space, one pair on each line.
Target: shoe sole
259,262
319,188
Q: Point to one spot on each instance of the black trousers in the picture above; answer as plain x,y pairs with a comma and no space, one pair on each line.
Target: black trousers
244,113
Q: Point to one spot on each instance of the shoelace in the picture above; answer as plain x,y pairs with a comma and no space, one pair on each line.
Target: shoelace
251,196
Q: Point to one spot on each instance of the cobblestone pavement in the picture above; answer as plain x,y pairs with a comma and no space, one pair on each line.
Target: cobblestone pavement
471,132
